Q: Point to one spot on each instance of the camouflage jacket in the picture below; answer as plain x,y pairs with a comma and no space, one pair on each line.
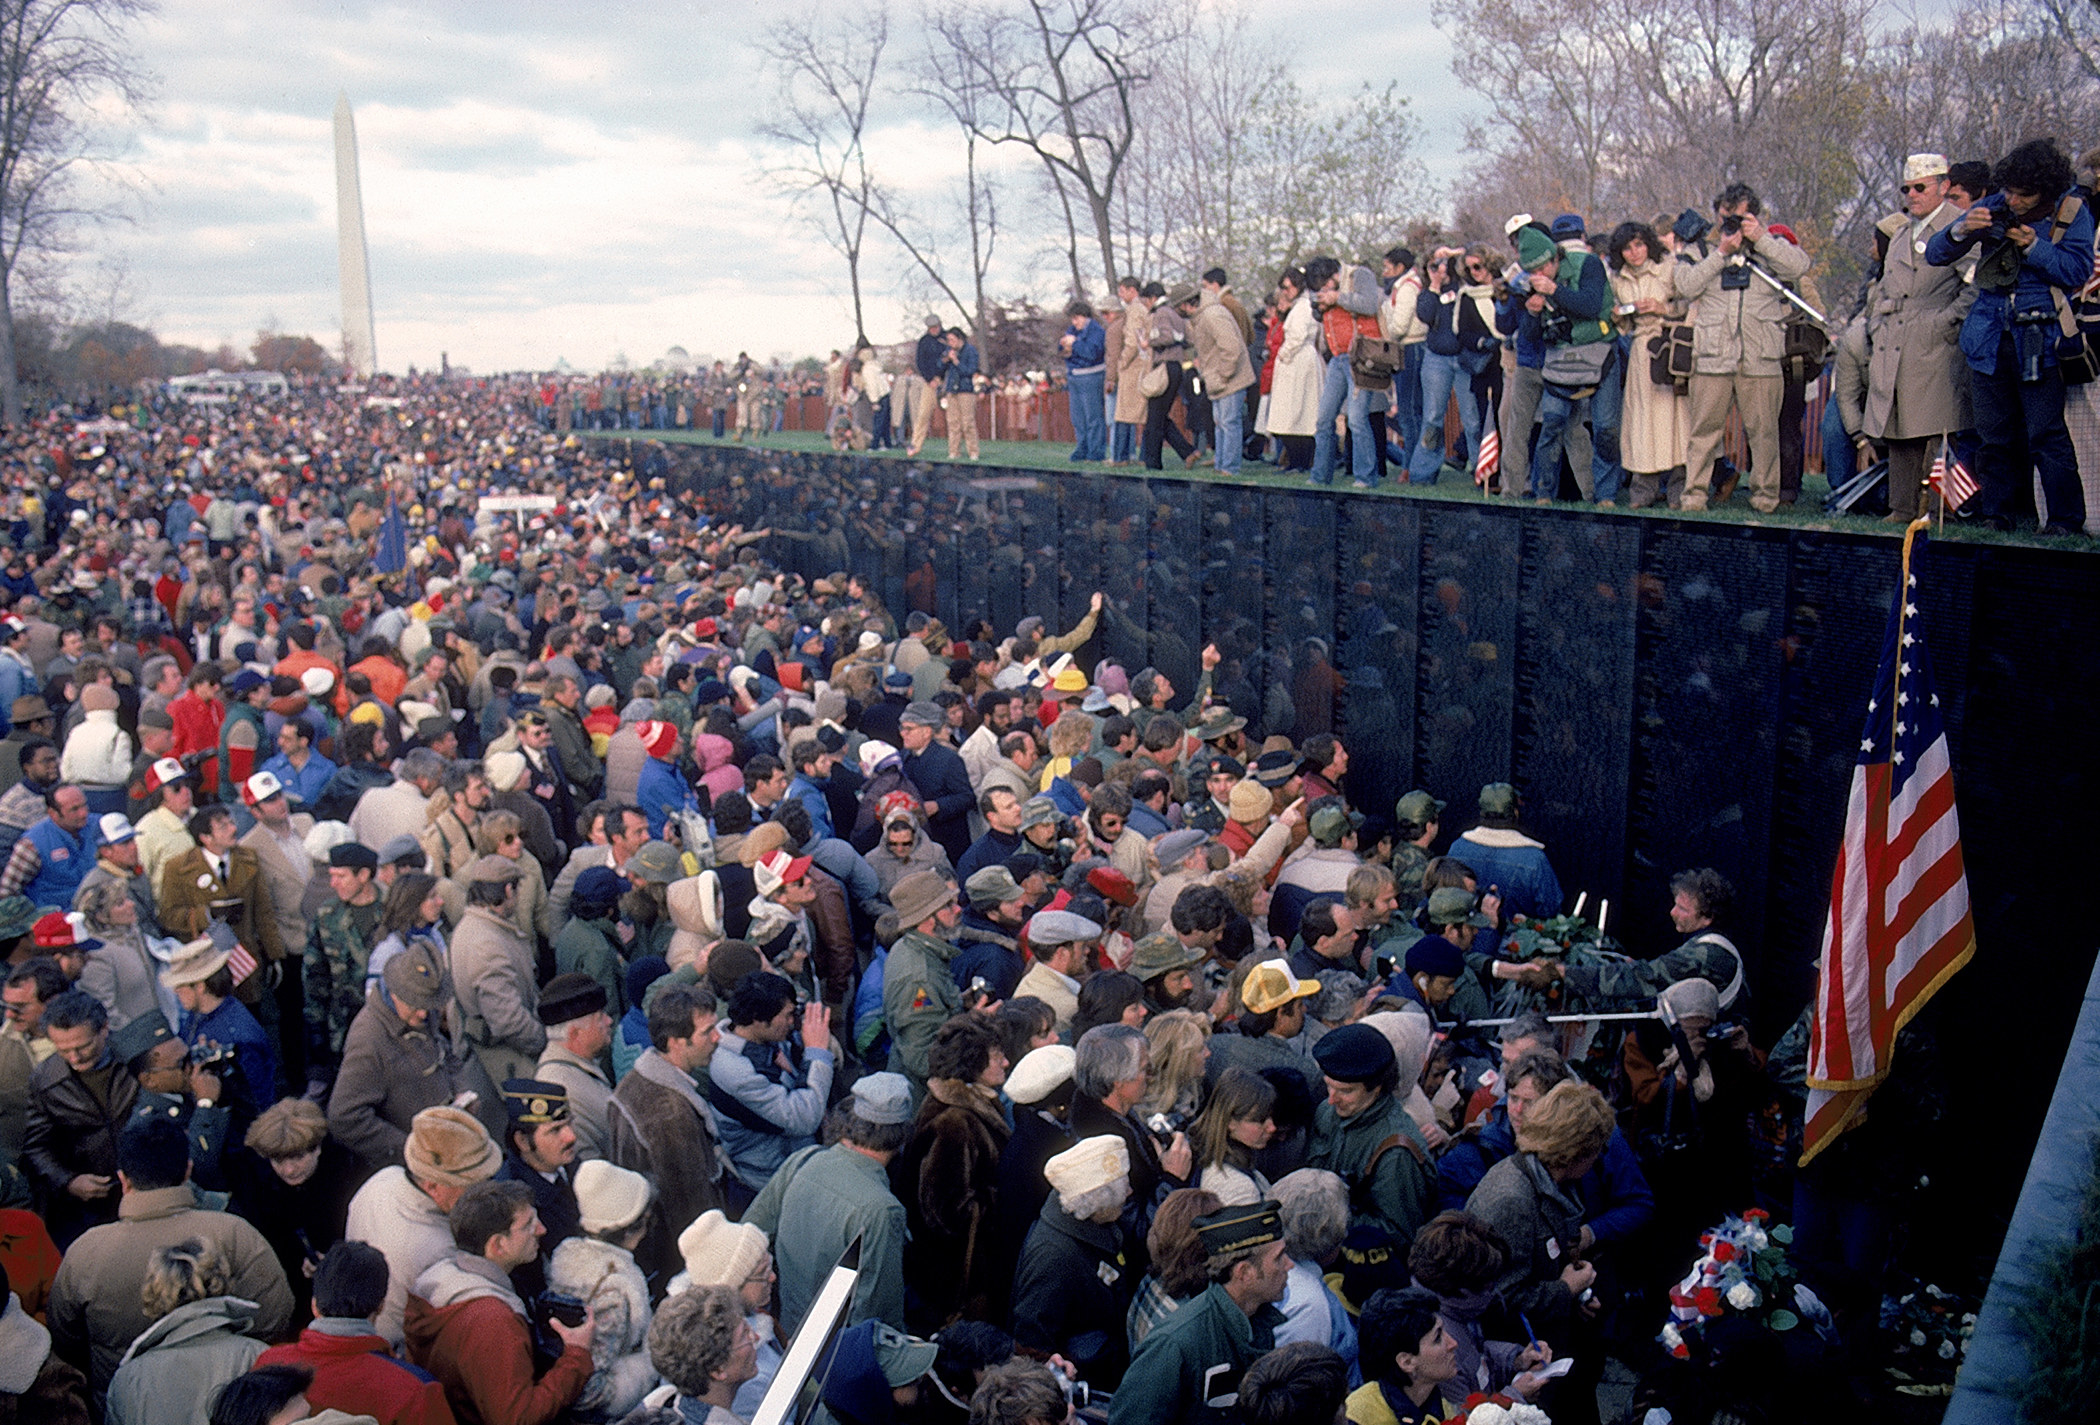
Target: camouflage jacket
1709,955
337,952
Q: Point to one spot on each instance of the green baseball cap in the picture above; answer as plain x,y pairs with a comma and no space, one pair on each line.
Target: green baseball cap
1417,808
1498,799
1453,905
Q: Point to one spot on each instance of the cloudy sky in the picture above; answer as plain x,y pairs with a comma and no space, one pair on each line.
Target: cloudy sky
542,180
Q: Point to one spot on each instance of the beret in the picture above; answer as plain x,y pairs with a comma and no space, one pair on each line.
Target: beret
1354,1053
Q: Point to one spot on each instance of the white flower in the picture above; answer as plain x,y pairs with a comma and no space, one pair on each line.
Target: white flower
1756,1238
1742,1296
1946,1350
1671,1336
1523,1414
1917,1337
1488,1413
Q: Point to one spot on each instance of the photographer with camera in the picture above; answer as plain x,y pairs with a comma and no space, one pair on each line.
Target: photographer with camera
1739,341
1916,389
1576,324
2035,245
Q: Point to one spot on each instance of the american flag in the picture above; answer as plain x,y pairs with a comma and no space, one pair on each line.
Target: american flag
1899,924
1952,479
240,964
1490,449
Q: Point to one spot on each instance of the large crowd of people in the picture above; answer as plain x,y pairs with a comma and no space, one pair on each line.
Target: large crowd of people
490,960
1609,361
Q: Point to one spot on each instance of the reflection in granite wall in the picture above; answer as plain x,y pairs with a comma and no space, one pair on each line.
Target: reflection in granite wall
1666,695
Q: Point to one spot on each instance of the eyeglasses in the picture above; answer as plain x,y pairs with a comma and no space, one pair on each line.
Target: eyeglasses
1917,188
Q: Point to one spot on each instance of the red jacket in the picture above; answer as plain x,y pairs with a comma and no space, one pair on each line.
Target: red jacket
197,723
482,1351
355,1374
387,682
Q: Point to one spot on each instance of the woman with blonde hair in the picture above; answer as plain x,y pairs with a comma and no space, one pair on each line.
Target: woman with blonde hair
197,1343
1527,1199
294,1184
1180,1051
1071,737
123,973
501,833
1235,1125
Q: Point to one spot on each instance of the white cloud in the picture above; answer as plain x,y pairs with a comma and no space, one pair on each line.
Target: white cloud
544,180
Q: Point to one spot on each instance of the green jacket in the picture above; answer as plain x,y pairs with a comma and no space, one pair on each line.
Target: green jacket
1709,955
1188,1368
593,948
1398,1194
813,1207
918,997
337,951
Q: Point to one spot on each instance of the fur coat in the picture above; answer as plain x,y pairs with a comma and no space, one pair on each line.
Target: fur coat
606,1277
947,1177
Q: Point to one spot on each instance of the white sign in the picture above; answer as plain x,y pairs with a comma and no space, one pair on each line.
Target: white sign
504,504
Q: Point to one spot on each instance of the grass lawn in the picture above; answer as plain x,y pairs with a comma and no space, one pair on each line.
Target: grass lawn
1048,456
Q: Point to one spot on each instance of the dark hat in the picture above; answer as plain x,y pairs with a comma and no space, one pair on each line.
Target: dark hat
1354,1053
245,682
532,1102
1433,955
1236,1229
156,718
1217,722
1331,821
1273,769
1226,766
599,886
571,996
31,708
1566,226
403,850
1498,799
355,855
1183,294
138,1036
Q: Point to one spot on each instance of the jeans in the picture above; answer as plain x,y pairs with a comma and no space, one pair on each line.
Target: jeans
1441,376
721,420
1404,421
1124,442
1337,395
1084,394
2021,424
1557,414
1840,456
1225,413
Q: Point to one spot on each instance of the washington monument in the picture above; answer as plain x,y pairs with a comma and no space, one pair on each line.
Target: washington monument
358,353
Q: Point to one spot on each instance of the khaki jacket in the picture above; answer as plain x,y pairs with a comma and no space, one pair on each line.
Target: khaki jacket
1739,331
1917,384
1221,353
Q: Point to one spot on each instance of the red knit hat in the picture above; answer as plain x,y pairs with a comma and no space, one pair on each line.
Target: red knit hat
659,739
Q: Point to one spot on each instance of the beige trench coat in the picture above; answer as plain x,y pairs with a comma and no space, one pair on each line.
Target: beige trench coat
1917,383
1294,391
1132,360
1656,422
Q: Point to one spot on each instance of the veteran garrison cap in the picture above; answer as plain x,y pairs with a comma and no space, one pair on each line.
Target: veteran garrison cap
532,1102
1235,1229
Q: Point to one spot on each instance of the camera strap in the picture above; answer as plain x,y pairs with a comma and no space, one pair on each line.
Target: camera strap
2066,214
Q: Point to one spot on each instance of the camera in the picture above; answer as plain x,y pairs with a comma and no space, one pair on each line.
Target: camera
1625,309
548,1308
1735,277
1731,223
1078,1394
1164,1126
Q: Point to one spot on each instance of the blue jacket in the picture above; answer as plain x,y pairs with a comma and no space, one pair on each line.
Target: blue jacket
1089,348
1615,1193
960,373
1449,333
939,775
232,1024
790,1101
64,859
928,355
990,849
661,793
2047,266
1522,326
1523,873
302,788
811,795
16,678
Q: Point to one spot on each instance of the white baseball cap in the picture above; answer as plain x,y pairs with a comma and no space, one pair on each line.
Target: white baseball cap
114,828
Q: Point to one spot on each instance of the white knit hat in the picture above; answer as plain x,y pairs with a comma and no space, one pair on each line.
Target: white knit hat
610,1197
719,1252
504,769
1088,1164
1040,1073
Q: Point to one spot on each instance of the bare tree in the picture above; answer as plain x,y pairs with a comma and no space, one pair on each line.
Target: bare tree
1061,78
825,79
57,59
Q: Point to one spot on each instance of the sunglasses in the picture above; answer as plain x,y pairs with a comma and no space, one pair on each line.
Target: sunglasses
1916,188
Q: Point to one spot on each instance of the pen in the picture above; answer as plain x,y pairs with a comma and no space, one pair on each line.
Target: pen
1532,1335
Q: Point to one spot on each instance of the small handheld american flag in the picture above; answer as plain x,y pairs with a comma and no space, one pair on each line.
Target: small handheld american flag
1490,450
1952,479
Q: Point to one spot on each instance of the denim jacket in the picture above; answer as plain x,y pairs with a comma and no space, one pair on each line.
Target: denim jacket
2066,263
